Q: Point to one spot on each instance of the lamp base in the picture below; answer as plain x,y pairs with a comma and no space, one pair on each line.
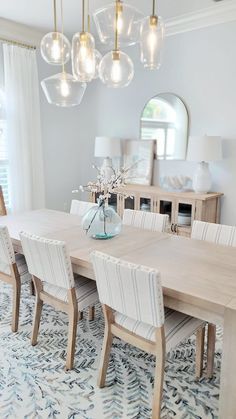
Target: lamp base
107,169
202,178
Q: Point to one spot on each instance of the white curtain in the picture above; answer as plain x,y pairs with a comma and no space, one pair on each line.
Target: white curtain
26,178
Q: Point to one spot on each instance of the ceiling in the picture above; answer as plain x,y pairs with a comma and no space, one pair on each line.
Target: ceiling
38,13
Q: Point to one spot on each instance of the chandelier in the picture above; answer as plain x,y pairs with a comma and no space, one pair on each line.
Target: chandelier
118,25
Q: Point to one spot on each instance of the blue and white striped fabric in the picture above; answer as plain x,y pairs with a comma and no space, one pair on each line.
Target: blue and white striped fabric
48,260
214,233
80,207
146,220
178,327
132,290
7,255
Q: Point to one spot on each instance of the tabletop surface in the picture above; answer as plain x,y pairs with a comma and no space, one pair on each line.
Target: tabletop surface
191,270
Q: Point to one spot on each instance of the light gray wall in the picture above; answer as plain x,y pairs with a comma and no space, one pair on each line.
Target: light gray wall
199,66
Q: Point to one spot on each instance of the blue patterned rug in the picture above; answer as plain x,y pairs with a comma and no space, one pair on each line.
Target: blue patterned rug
34,385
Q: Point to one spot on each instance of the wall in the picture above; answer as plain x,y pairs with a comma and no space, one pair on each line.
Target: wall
67,135
200,67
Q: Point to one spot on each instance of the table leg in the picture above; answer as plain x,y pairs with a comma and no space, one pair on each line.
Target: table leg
227,408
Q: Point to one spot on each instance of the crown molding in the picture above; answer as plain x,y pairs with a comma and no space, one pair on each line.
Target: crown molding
17,32
219,13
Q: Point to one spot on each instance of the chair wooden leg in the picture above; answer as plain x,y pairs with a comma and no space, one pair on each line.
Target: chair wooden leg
211,341
16,304
106,346
32,290
73,320
159,373
200,340
38,311
91,313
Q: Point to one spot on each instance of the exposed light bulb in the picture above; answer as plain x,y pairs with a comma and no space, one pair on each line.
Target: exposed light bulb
56,50
116,71
152,41
119,23
64,88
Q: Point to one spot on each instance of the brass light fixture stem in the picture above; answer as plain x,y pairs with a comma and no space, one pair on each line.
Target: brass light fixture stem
89,20
116,25
62,31
55,14
83,16
153,7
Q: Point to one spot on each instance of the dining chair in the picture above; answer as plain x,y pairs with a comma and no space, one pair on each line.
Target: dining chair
49,263
13,271
80,207
3,210
146,220
222,235
132,301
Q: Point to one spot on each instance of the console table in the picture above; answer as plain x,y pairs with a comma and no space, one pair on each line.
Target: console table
182,207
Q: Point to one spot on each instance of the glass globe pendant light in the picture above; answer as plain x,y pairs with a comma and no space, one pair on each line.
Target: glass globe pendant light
55,47
128,24
63,89
116,69
83,53
151,40
97,54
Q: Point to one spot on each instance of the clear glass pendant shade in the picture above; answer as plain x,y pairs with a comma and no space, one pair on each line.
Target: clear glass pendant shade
55,48
129,22
63,90
116,69
151,41
98,58
83,56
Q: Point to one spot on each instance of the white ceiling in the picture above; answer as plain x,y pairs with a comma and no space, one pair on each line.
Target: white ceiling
38,13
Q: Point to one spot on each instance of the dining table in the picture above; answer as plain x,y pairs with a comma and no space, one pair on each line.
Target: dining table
198,278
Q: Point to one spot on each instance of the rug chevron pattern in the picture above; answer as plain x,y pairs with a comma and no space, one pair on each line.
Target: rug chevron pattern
34,385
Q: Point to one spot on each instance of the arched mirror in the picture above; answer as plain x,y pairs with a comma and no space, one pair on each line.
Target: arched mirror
165,119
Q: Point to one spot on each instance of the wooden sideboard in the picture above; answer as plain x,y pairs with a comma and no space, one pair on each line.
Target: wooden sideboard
182,207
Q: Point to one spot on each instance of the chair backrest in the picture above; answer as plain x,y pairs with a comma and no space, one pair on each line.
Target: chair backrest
48,260
7,255
146,220
214,233
130,289
3,210
80,207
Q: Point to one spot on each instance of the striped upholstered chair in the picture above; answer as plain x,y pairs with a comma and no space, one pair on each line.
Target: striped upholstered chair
49,263
222,235
80,207
146,220
132,301
14,271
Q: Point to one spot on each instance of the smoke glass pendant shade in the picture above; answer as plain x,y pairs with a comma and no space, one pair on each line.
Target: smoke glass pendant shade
55,48
151,41
98,58
116,69
129,23
83,56
63,90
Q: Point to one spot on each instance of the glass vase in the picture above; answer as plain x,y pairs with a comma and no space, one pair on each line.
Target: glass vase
102,222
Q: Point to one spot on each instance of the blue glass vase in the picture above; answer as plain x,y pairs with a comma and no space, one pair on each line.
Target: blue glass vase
102,221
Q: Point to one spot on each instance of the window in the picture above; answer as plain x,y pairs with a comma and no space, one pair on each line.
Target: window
4,164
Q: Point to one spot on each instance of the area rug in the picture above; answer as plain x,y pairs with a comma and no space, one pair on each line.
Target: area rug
34,385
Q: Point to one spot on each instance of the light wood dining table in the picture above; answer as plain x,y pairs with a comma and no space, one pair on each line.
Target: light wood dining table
198,278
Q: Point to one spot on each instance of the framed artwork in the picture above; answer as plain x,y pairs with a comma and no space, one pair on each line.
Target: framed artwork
140,155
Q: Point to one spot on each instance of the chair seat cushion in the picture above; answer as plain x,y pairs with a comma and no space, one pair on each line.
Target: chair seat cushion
178,327
86,292
25,276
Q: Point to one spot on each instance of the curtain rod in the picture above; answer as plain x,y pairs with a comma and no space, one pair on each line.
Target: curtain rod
20,44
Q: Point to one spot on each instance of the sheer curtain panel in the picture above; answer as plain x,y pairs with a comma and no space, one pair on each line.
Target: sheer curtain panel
26,178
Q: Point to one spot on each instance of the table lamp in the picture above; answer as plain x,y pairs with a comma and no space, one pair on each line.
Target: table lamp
203,150
107,147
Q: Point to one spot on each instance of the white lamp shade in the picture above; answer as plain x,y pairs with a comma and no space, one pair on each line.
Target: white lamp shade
205,148
107,147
